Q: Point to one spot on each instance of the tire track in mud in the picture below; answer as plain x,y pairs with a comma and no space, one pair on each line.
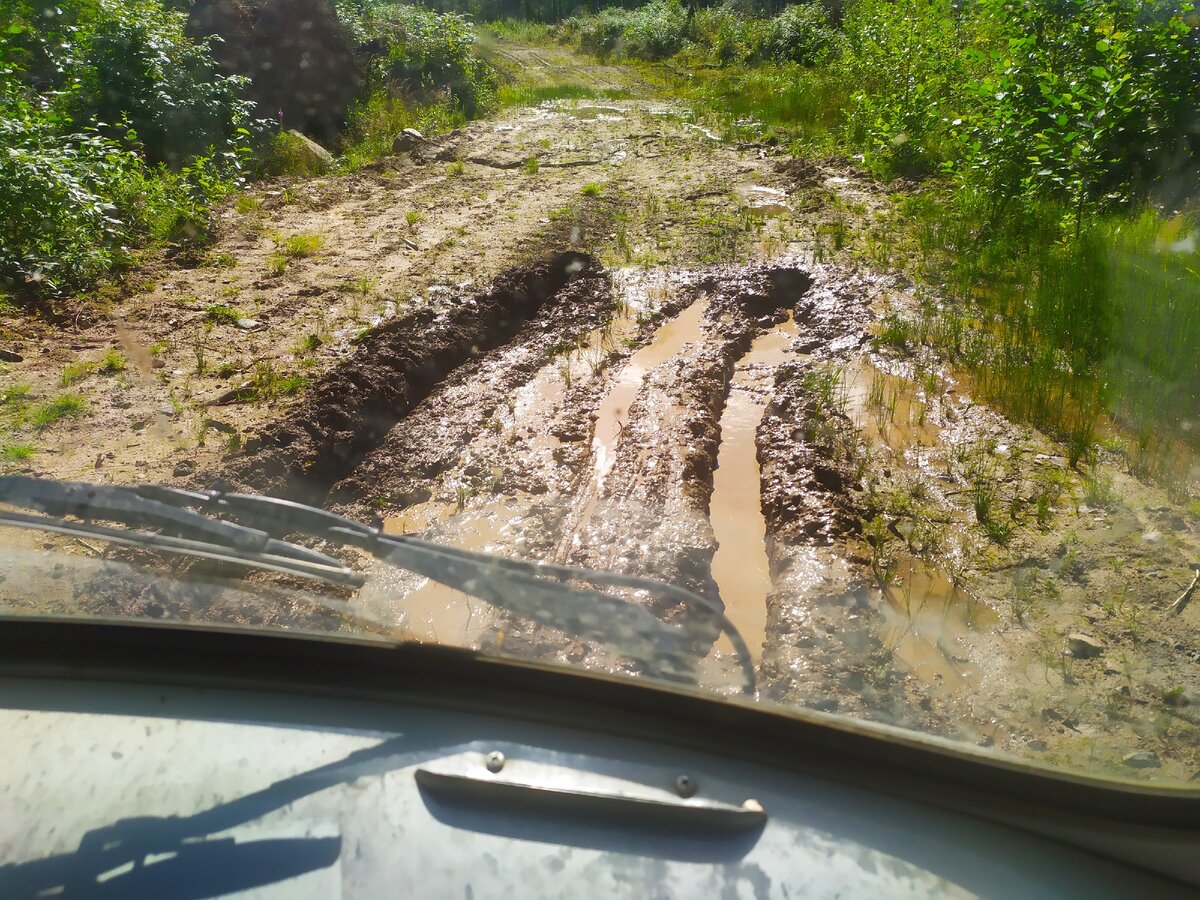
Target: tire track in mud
492,425
353,406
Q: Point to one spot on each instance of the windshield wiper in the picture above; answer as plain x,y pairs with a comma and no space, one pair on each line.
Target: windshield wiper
251,530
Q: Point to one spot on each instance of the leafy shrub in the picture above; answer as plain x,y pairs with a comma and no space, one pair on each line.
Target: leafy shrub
602,33
906,59
656,30
802,33
1084,100
136,71
426,56
727,36
90,99
59,224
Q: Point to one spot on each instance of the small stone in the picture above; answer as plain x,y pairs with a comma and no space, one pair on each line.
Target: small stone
247,324
166,410
1039,746
184,468
1152,537
1142,759
406,140
10,356
314,158
1083,646
158,363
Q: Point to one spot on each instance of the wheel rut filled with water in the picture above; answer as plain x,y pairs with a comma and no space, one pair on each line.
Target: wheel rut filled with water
617,420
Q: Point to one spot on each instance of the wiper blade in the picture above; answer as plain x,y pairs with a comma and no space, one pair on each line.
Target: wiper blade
180,530
543,593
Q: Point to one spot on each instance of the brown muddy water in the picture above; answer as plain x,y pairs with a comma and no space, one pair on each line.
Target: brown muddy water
740,567
613,424
613,413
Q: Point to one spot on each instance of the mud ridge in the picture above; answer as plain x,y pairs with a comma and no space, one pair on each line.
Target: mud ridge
430,440
352,407
823,647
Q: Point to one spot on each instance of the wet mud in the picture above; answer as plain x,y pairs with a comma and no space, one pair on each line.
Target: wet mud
394,366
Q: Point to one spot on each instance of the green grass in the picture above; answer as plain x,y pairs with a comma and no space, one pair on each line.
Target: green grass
219,314
15,397
64,406
375,122
1067,333
114,361
802,107
75,372
455,168
308,344
531,166
592,189
297,246
17,452
518,94
269,384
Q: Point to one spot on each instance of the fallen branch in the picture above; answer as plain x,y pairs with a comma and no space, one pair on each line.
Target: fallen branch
1179,605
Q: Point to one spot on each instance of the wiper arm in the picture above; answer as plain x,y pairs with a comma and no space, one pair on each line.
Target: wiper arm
543,593
183,531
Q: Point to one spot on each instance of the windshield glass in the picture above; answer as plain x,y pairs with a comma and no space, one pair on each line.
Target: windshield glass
869,330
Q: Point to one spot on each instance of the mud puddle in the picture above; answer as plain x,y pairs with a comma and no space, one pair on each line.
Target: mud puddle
927,623
427,610
613,414
889,407
740,566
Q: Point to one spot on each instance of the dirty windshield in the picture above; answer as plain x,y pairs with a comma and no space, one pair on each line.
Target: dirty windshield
869,331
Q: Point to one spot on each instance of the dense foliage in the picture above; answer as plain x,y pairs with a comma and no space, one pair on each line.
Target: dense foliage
117,127
121,130
421,54
1064,143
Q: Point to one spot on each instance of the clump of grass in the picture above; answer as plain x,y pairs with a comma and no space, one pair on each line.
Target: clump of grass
219,314
455,168
296,246
277,263
364,285
15,397
76,371
221,260
308,344
17,452
63,406
531,166
113,362
591,189
245,204
412,217
268,384
158,348
1098,489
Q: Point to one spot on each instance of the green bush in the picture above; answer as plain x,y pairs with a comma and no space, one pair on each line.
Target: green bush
656,30
906,59
1083,101
59,224
135,70
602,33
802,34
421,55
117,130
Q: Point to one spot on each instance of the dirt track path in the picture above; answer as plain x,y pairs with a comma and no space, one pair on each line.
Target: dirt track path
585,333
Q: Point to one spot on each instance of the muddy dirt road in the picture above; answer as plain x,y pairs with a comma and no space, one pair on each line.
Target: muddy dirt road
592,333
